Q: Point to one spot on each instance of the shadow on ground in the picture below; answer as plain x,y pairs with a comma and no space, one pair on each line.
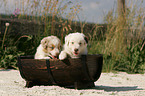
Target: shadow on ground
122,88
2,69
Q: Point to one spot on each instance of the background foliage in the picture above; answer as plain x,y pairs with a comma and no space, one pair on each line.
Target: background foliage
121,43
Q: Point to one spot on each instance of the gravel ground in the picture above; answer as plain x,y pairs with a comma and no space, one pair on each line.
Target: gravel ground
109,84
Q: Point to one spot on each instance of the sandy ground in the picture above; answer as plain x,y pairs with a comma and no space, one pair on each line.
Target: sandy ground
109,84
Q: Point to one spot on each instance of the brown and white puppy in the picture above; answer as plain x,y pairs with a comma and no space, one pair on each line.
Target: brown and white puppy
49,48
75,46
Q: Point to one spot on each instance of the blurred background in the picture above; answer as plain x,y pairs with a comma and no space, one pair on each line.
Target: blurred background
115,29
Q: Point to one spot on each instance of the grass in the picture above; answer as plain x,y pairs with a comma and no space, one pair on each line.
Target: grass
121,44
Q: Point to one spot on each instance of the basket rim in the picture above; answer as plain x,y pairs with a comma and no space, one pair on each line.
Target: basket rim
32,57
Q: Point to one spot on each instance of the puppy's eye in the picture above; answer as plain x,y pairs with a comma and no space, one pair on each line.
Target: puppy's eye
80,44
72,42
52,48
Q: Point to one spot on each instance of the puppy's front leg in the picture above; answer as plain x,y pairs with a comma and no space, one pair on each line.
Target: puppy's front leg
46,58
62,55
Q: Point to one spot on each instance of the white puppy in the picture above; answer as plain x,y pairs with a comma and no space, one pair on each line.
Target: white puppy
75,46
49,48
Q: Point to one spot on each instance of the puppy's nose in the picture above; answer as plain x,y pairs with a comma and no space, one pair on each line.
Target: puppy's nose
76,50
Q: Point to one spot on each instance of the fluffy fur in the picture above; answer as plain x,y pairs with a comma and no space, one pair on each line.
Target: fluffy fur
49,48
75,46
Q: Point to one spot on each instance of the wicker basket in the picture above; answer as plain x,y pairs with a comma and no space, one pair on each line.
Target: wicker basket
79,73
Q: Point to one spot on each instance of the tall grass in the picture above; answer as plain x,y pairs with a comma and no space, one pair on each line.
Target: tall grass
46,12
50,13
122,46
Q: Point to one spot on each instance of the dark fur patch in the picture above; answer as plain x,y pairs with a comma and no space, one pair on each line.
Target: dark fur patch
86,39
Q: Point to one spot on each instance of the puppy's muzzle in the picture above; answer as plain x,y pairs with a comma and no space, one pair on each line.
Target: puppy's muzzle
76,50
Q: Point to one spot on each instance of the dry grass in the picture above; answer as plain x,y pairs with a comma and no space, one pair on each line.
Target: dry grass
123,41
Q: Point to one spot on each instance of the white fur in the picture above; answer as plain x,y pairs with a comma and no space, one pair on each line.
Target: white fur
49,47
74,41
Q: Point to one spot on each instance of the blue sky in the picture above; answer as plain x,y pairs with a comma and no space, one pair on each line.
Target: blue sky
92,10
95,10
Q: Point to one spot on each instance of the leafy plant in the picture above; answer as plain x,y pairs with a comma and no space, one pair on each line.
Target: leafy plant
9,57
8,54
133,61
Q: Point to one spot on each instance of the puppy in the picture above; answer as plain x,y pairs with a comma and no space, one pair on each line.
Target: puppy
49,48
75,46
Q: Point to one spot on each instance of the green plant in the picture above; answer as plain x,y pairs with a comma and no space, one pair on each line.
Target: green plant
122,46
133,61
51,11
9,57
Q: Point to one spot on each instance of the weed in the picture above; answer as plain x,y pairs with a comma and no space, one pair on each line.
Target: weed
9,57
8,54
123,43
133,61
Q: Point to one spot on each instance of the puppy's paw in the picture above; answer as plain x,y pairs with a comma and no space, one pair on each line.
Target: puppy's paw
62,55
46,58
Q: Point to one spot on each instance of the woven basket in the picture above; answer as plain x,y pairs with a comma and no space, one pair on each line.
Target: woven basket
78,73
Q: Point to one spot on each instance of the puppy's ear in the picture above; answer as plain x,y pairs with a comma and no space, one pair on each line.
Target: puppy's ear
44,42
67,39
86,39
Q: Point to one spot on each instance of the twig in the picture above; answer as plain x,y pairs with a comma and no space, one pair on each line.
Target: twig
142,46
20,38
